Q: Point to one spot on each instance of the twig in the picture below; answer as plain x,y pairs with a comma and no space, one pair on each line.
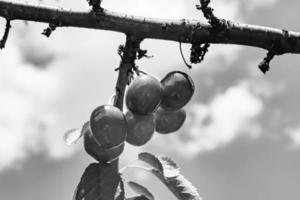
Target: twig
198,51
264,66
5,35
96,5
47,31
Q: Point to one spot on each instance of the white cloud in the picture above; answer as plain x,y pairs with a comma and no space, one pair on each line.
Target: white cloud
253,4
218,123
167,9
26,95
294,136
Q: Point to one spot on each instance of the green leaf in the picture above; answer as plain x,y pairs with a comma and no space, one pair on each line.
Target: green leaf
99,181
167,172
139,189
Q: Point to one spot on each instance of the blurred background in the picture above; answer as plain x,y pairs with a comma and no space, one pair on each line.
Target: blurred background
242,135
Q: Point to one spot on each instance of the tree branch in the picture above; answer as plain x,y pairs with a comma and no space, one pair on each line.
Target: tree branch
186,31
127,63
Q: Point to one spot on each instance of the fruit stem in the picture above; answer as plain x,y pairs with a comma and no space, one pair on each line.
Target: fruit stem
127,64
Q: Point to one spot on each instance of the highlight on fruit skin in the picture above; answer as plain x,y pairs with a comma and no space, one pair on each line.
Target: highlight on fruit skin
140,128
99,153
178,89
108,126
144,94
169,121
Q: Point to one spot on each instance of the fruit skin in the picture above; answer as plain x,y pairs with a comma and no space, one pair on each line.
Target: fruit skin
99,153
168,121
108,126
143,94
178,89
140,128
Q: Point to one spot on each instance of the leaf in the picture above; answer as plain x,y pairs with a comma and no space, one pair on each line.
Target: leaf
138,198
73,135
98,182
168,172
139,189
151,160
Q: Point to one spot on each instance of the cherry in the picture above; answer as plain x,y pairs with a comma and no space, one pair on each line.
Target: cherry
140,128
178,89
108,126
169,121
99,153
143,94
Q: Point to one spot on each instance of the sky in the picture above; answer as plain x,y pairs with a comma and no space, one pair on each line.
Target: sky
241,139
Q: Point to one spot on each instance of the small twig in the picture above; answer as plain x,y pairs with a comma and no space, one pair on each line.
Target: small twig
207,11
51,27
121,50
5,35
96,5
181,53
264,66
143,54
216,23
198,51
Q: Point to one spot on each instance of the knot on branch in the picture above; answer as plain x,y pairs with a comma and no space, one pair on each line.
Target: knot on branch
140,53
217,24
51,27
264,66
5,35
96,5
198,52
277,48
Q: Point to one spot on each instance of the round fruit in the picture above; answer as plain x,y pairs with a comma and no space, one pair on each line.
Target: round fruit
99,153
108,126
143,94
169,121
140,128
178,89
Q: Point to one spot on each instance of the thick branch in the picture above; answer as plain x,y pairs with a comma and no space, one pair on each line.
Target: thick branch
187,31
127,63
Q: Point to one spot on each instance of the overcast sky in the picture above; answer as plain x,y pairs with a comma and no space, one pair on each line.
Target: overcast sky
241,139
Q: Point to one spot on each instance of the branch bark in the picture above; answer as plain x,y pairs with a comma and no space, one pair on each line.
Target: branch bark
126,65
187,31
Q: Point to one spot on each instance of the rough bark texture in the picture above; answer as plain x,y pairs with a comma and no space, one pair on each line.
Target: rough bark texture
187,31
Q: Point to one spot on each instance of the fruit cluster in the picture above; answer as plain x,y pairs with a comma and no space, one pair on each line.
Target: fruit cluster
153,105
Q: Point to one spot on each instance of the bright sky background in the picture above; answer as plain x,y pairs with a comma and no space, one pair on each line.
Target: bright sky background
241,139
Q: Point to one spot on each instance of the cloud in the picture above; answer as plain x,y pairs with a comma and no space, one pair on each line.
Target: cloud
219,122
294,137
254,4
168,9
26,95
